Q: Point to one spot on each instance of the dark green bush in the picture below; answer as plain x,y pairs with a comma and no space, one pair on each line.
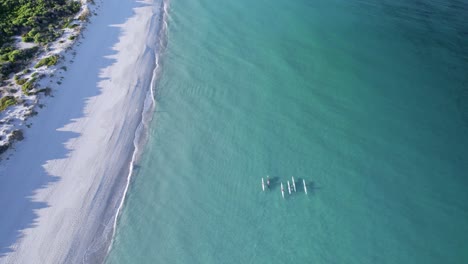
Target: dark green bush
6,68
21,81
39,18
49,61
6,102
14,60
18,16
27,38
28,86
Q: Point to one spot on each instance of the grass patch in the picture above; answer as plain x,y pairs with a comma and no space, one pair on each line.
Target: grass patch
12,60
28,86
6,102
49,61
72,25
21,81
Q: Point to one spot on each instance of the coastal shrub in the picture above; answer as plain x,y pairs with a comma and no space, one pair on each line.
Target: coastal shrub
20,81
6,102
74,7
6,69
14,55
22,55
68,23
46,36
27,38
40,38
48,61
4,57
28,86
14,60
6,49
19,16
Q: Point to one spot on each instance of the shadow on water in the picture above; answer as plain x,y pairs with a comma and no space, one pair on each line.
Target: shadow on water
312,187
274,183
23,173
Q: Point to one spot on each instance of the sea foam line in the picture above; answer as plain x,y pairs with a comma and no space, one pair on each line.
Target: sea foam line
147,113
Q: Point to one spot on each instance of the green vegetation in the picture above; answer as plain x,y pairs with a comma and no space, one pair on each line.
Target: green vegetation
6,102
20,81
38,21
69,24
49,61
14,60
28,86
34,17
11,55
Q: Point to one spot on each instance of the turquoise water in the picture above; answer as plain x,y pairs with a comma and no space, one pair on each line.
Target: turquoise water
365,100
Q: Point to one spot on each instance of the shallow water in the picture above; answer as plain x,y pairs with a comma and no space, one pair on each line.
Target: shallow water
365,100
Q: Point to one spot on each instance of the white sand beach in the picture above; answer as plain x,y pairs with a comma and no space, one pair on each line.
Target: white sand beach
61,186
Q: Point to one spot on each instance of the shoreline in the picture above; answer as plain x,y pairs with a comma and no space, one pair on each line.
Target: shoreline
44,80
141,135
63,187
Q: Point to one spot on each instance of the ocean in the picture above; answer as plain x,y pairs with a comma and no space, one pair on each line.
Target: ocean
364,100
